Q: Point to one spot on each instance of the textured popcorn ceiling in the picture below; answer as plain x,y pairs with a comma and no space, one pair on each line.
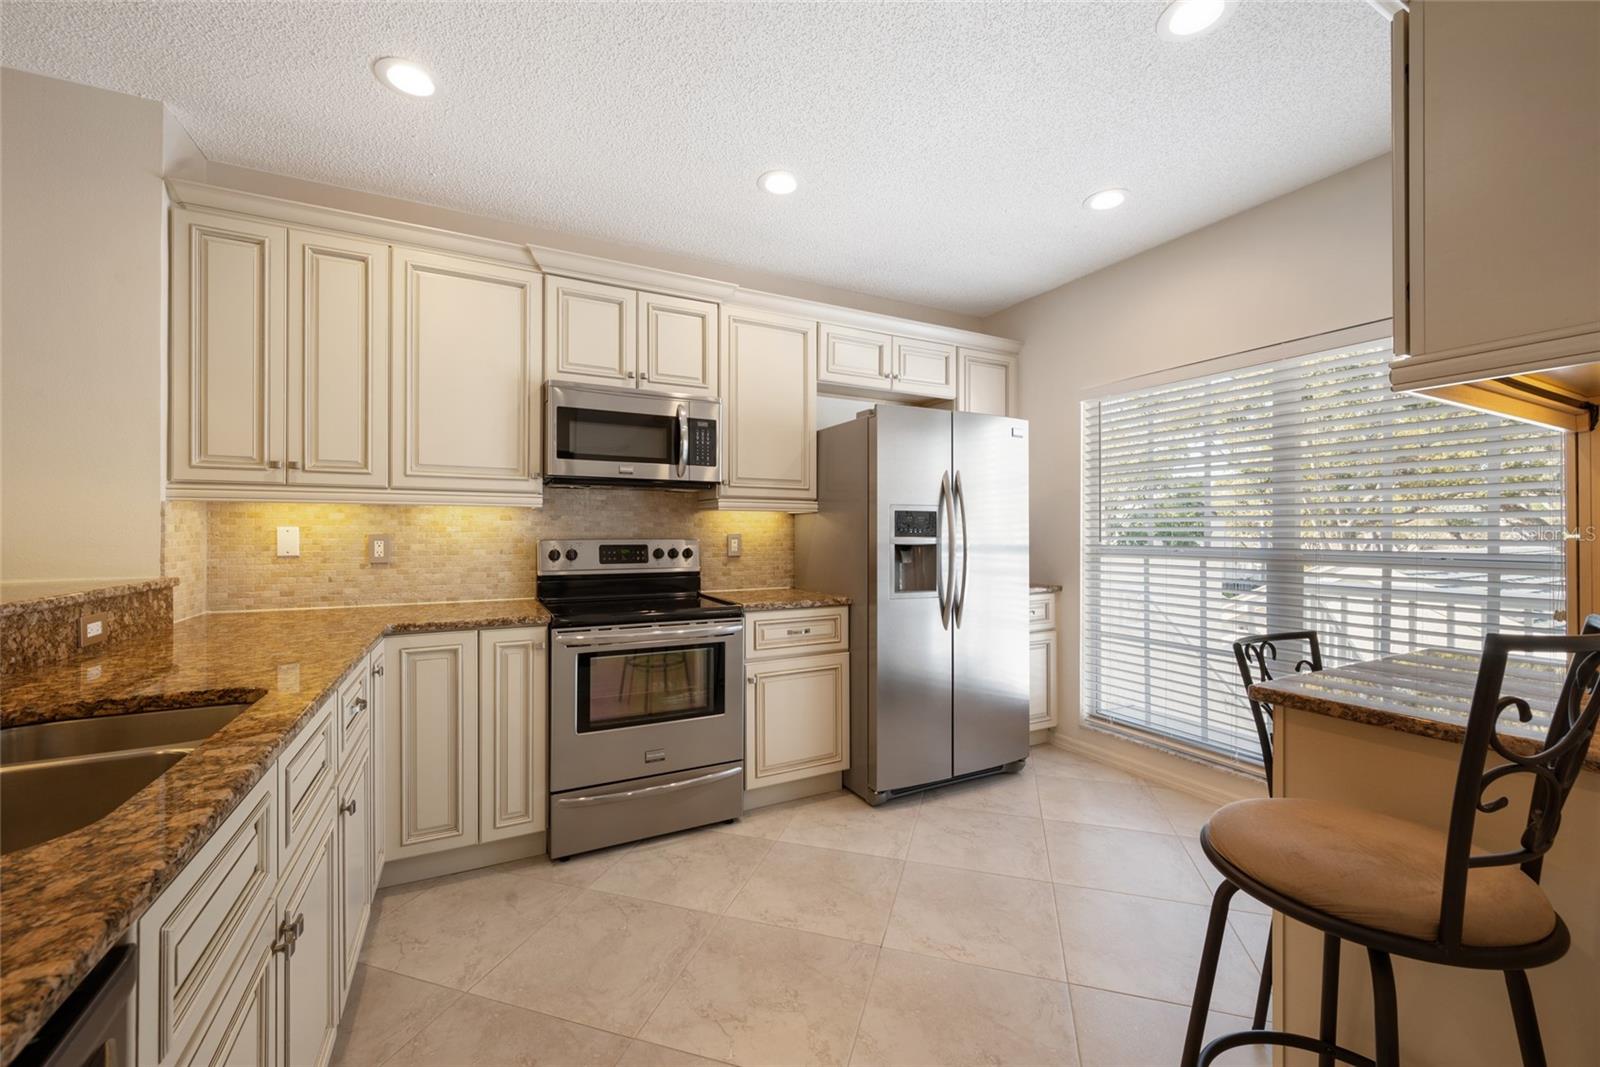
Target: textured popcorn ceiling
943,150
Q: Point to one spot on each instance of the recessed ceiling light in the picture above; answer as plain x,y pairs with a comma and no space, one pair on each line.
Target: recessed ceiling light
1106,199
403,76
778,182
1186,19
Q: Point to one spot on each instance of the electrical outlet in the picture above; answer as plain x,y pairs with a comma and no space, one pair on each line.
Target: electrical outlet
735,546
288,541
92,628
380,548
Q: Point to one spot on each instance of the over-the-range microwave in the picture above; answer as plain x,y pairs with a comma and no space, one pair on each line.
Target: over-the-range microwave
596,434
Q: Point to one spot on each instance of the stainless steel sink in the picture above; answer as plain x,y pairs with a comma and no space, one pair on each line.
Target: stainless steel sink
59,776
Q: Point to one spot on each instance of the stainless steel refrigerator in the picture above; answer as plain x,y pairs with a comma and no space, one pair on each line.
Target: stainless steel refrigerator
922,521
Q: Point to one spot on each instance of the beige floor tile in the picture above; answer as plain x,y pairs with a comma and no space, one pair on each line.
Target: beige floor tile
697,870
644,1054
848,823
927,1011
484,1033
1186,813
1116,1030
768,822
1252,930
1147,947
1125,861
1051,760
383,1011
457,930
987,919
607,963
981,841
842,894
1007,794
1125,805
577,871
758,994
1208,874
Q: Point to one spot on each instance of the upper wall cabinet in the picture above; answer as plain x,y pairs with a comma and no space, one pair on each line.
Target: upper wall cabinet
607,333
988,382
466,368
769,399
1497,190
859,360
924,368
229,374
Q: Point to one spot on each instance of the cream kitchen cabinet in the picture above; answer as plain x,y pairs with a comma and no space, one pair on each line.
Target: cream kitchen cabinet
1497,198
856,359
769,378
987,383
465,732
358,857
1043,699
467,373
377,671
279,355
924,368
309,967
620,336
797,695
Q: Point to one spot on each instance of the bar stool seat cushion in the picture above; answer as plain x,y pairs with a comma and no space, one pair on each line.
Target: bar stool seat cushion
1374,870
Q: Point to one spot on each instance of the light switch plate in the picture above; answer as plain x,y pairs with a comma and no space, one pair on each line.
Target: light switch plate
288,541
92,628
380,549
735,545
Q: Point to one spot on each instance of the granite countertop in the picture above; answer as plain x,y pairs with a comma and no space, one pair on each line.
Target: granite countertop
1428,692
771,599
1044,587
67,901
18,597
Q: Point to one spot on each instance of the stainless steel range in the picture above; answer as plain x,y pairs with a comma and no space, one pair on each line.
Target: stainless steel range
646,700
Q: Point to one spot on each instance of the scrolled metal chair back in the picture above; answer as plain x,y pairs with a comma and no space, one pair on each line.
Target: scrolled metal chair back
1257,657
1553,767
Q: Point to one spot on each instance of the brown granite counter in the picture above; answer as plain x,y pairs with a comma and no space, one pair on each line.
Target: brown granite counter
774,599
19,597
1043,587
69,900
1428,692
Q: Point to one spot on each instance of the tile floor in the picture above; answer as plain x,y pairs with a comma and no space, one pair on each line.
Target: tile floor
1050,917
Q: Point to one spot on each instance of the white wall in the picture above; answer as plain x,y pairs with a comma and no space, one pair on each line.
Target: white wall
1312,261
80,331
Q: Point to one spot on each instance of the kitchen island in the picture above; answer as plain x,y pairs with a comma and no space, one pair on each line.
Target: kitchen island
1386,735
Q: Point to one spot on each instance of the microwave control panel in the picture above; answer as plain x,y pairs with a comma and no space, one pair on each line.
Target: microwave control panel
702,442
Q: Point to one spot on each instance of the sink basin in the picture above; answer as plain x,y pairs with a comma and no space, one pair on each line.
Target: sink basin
57,777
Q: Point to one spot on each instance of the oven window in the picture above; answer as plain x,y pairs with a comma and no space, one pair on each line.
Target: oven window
621,436
617,689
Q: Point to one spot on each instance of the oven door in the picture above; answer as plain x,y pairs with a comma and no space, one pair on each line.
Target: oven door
632,701
599,434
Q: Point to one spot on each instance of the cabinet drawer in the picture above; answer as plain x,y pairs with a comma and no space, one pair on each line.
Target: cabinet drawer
1042,611
353,708
796,632
305,776
194,935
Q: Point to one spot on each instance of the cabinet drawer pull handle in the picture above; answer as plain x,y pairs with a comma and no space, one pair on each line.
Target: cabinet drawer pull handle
274,464
350,808
378,670
294,464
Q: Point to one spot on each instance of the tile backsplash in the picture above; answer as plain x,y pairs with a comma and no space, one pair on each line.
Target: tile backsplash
439,552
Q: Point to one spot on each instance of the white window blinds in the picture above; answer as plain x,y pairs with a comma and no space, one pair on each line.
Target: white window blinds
1301,493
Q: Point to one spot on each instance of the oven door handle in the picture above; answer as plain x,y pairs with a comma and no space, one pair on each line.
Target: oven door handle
683,439
649,790
644,640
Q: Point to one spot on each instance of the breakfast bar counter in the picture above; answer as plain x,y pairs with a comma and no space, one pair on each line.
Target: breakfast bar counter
1385,735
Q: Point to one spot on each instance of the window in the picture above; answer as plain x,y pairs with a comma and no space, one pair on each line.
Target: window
1301,493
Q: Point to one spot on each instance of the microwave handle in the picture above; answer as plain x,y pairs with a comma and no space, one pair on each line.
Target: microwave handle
683,440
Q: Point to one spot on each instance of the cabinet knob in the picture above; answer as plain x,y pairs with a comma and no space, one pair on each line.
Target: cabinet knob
350,808
359,703
294,464
378,670
274,464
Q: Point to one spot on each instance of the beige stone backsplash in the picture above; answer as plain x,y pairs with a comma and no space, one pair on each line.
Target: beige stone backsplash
440,553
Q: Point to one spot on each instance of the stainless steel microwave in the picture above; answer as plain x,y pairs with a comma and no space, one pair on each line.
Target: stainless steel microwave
601,434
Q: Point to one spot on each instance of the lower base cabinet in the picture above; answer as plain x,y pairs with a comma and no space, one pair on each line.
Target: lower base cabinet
798,716
245,1032
358,862
309,948
1043,700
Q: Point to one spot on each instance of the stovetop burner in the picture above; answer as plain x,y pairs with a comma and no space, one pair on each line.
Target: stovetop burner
613,583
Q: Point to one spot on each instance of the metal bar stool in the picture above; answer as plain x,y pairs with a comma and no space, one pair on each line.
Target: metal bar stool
1399,888
1253,655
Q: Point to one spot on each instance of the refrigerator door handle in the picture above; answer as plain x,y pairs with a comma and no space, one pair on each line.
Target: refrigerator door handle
959,500
944,550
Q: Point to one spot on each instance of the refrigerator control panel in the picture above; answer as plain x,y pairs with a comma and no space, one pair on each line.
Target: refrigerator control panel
916,522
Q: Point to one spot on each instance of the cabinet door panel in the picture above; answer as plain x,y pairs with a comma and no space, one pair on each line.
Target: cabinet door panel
512,729
309,968
1041,681
678,345
228,361
243,1032
769,401
799,719
338,360
858,358
466,393
379,677
357,876
988,383
924,368
590,331
431,767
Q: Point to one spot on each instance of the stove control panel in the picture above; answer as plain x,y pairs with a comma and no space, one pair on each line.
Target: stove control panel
604,556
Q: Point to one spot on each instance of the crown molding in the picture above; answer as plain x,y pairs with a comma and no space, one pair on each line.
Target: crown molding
834,314
617,272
